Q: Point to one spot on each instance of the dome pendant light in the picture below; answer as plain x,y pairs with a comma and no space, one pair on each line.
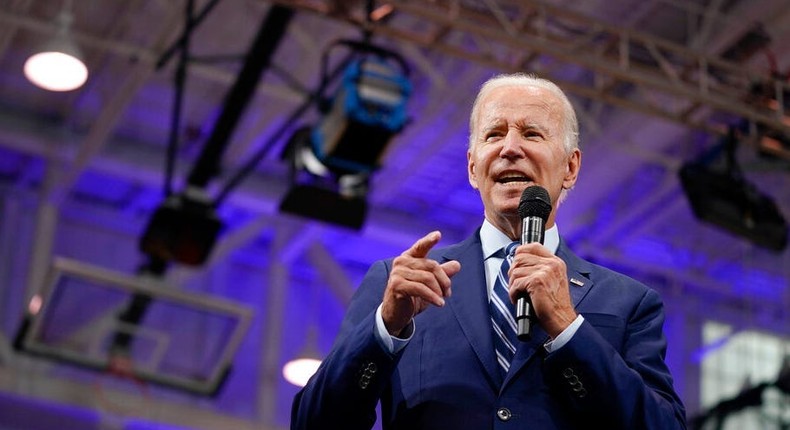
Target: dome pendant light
299,370
58,67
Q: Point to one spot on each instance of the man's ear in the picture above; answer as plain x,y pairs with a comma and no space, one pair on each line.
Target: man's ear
572,173
470,163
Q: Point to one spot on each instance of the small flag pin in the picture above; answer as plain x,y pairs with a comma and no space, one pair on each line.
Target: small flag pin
577,282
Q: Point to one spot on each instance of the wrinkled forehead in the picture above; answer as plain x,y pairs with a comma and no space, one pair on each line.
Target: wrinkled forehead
523,104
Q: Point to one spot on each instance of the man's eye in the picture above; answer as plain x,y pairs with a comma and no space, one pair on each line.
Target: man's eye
493,135
532,134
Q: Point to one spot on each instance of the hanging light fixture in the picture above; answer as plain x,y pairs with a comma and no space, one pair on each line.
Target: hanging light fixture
331,163
299,370
58,66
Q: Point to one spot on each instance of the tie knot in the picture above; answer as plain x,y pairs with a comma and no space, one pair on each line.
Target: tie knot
510,249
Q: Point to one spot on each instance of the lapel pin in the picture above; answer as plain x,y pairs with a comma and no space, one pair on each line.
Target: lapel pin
577,282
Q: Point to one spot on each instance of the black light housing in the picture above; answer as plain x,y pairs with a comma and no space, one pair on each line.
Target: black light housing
183,229
735,205
325,205
726,199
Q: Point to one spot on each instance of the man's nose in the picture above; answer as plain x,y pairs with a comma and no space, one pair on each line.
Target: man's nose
512,145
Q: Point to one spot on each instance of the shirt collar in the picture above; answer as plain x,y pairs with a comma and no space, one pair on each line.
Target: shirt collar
493,239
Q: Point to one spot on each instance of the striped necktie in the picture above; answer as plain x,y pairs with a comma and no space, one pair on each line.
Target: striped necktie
503,312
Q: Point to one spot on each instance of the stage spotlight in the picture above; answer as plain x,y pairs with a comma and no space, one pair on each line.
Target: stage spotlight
333,161
723,197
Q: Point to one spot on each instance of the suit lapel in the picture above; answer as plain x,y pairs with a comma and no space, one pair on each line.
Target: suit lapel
469,303
579,271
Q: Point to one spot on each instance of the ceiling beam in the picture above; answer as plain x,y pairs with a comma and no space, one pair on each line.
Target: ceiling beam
7,33
700,83
259,193
99,132
47,220
705,30
638,213
332,272
273,333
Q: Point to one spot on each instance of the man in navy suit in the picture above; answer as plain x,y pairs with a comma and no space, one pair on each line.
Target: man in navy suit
418,335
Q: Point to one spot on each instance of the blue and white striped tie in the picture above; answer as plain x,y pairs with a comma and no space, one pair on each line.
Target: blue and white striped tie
503,312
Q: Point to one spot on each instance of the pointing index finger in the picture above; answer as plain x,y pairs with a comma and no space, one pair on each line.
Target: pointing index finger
423,245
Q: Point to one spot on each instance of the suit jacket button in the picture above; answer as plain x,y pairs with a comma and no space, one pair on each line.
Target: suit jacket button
504,414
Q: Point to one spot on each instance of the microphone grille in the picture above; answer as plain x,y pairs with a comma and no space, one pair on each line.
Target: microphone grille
535,201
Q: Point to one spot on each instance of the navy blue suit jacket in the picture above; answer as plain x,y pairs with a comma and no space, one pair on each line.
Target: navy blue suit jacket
610,375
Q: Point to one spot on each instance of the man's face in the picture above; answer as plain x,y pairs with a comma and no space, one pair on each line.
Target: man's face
518,142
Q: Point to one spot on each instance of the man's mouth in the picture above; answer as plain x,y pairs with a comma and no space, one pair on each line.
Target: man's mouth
507,179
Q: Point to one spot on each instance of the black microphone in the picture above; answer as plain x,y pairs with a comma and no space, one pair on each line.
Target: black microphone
534,209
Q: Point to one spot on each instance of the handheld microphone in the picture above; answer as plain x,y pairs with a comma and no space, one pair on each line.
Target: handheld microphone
534,209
